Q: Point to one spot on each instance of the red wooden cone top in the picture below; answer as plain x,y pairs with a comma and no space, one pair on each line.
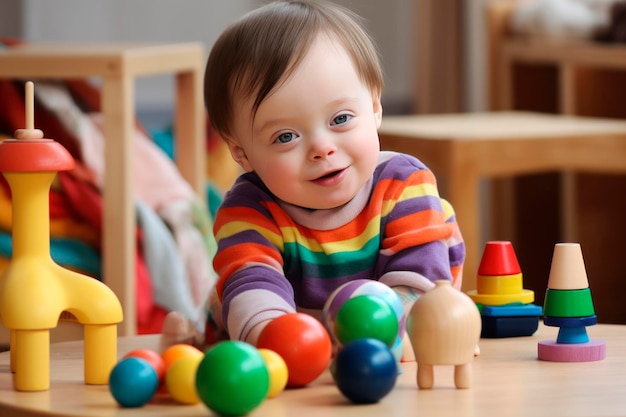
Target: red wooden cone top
499,259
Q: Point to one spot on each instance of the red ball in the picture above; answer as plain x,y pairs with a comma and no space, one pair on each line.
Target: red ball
302,342
152,357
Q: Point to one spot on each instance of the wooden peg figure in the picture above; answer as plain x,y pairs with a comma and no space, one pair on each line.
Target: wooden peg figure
444,328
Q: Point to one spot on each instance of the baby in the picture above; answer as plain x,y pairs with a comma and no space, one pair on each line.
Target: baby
294,88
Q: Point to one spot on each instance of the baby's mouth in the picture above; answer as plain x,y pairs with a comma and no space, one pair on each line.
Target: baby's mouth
330,175
331,178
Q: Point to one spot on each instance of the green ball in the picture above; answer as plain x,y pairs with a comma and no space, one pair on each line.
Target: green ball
232,378
366,316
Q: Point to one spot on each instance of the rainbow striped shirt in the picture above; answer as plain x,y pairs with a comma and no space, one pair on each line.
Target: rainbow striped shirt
274,258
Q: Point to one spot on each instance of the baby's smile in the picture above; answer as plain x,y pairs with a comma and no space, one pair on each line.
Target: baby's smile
332,178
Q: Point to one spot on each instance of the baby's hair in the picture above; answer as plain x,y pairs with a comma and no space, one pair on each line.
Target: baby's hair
264,47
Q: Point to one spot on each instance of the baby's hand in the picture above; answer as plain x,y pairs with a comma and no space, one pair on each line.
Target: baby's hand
179,329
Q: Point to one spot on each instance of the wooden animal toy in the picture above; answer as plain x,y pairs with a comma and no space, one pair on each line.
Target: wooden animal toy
444,329
35,292
569,306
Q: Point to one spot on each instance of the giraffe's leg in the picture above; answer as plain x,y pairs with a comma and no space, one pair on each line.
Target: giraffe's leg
32,360
13,349
100,352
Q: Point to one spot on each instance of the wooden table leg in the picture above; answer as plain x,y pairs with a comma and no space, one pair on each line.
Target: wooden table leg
462,191
189,128
119,220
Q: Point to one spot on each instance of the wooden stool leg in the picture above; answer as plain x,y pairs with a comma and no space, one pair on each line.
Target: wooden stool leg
100,352
32,360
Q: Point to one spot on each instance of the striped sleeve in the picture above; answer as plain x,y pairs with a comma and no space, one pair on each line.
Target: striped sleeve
252,287
246,232
421,239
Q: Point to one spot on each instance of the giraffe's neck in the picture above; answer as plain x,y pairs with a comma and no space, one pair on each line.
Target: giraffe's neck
31,212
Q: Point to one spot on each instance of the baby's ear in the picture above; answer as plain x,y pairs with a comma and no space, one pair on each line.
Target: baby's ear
378,109
239,155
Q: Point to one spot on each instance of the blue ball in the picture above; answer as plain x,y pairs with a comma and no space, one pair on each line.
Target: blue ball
365,370
133,382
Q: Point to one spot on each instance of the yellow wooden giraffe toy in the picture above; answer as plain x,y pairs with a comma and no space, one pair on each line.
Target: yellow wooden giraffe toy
35,292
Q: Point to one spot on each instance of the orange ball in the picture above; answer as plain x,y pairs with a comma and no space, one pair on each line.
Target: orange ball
152,357
302,342
178,351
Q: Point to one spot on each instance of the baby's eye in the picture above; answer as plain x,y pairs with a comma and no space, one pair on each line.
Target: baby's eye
341,119
286,137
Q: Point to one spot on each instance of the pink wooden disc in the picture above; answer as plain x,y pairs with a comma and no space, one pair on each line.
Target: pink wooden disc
550,350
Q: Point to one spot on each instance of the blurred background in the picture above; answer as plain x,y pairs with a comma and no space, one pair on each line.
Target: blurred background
394,24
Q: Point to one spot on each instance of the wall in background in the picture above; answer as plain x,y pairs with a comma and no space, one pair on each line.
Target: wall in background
10,17
475,60
134,21
389,22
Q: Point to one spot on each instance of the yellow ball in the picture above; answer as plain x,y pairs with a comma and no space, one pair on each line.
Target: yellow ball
277,369
180,379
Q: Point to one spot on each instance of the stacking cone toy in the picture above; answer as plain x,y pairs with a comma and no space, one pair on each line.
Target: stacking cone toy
569,306
506,307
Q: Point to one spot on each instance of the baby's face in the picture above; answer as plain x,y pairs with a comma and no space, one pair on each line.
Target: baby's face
314,139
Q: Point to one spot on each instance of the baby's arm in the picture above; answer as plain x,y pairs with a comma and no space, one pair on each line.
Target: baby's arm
252,288
251,298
